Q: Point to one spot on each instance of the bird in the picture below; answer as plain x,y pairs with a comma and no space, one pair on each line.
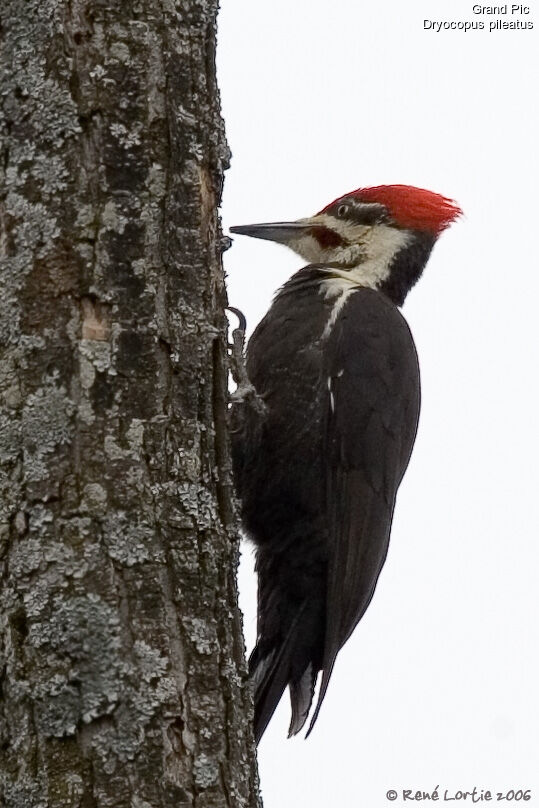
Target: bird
323,429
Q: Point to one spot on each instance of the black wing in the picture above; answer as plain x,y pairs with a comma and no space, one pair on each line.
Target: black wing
372,410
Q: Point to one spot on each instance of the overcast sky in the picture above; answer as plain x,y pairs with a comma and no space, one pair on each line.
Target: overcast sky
438,684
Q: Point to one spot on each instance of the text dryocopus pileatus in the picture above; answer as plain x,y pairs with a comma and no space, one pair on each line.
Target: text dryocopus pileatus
319,459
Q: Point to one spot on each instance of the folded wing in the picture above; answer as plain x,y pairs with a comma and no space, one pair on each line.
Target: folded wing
371,417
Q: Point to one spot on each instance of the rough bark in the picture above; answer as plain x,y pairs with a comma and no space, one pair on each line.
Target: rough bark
122,672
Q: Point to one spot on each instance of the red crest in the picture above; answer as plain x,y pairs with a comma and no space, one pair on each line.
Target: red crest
411,207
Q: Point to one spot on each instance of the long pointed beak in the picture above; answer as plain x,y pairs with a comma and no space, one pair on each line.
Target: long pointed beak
281,232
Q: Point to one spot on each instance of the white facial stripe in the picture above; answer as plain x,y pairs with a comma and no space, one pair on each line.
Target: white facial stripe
380,247
309,248
366,260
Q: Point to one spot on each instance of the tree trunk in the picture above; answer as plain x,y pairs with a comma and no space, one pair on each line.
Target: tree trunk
123,677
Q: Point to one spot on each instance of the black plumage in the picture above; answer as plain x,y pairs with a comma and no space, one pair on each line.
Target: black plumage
317,474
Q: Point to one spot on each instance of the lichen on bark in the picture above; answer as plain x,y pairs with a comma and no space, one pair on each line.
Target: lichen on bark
122,674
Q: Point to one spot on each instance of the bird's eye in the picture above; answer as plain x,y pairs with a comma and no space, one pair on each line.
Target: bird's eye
342,211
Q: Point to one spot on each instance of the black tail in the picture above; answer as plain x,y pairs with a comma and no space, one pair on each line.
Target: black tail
291,626
275,668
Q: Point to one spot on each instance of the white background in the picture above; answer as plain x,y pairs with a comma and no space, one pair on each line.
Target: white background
438,685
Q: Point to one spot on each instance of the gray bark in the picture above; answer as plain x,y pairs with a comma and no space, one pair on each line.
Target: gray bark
122,673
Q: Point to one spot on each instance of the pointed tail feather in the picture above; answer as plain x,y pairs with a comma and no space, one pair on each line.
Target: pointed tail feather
271,674
301,698
326,676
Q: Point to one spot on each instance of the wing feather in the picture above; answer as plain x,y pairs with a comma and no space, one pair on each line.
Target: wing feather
371,418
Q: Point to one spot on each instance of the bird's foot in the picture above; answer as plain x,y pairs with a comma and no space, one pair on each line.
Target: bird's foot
245,391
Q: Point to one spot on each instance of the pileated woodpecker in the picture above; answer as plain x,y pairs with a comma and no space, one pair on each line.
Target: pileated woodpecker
322,440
